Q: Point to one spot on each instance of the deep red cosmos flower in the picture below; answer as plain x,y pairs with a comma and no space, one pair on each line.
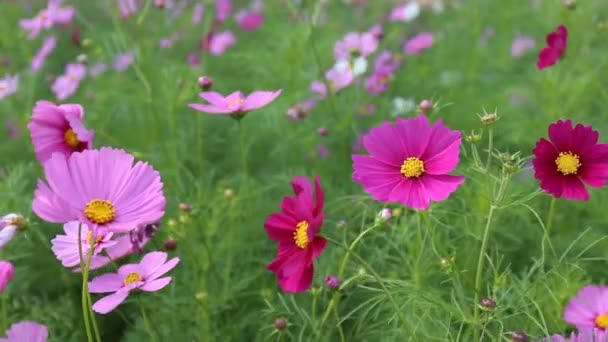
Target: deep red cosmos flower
571,157
556,47
295,229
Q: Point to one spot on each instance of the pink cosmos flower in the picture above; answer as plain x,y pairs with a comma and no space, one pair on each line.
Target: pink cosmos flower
584,335
7,272
127,7
405,13
570,159
47,47
100,188
300,110
339,78
295,229
122,61
234,104
8,85
355,45
46,18
384,67
409,162
249,21
26,331
58,129
222,10
556,47
193,59
589,310
219,42
197,13
520,45
319,88
97,69
9,225
419,43
67,84
143,276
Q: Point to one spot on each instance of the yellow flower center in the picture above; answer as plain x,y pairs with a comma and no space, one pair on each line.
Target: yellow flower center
300,236
70,138
567,163
99,211
412,167
602,321
133,277
234,103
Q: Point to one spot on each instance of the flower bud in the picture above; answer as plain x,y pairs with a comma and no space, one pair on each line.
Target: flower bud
184,218
170,245
341,224
82,58
6,274
185,207
332,282
171,223
228,194
280,323
75,36
473,138
519,336
570,4
489,118
159,4
200,296
205,82
510,166
323,131
488,304
425,105
385,214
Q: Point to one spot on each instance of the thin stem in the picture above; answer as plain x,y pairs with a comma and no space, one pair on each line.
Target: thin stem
4,315
313,313
490,146
89,301
147,322
550,215
83,299
427,221
480,266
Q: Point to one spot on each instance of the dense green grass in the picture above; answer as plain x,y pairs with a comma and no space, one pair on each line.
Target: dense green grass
221,290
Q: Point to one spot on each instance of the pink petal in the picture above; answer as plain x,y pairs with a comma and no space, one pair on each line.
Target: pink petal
574,189
155,285
210,109
439,187
164,268
414,134
109,282
259,99
109,303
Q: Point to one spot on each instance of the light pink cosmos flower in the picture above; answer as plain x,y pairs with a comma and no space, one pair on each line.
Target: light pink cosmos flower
355,45
234,104
122,61
67,84
46,18
127,7
249,20
300,110
219,42
8,85
419,43
405,13
97,69
100,188
409,162
26,331
222,10
7,271
583,335
339,79
144,276
9,225
589,310
197,13
47,47
58,129
384,67
319,88
521,44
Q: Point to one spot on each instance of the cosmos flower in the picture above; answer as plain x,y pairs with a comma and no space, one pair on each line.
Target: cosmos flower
7,270
384,67
219,42
47,47
589,310
144,276
58,129
569,159
520,45
9,225
26,331
419,43
300,110
222,10
8,85
97,69
122,61
295,229
100,188
584,335
409,162
197,13
339,78
249,20
405,13
557,42
234,104
67,84
127,7
53,14
355,45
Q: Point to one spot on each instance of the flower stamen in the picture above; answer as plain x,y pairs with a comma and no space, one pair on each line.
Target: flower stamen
300,236
70,138
100,211
602,321
132,278
567,163
412,167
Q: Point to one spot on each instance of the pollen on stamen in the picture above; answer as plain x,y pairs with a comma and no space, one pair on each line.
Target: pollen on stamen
568,163
412,167
70,138
300,236
132,278
602,321
100,211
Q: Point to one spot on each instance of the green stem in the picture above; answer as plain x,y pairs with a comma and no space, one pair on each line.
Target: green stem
427,221
149,329
550,216
4,315
480,266
490,146
83,299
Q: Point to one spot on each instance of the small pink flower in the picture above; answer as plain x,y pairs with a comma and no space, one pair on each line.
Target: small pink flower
320,88
122,61
234,104
384,67
419,43
6,274
47,47
219,42
249,21
58,129
65,247
300,110
127,7
67,84
143,276
97,69
557,42
8,85
589,310
9,225
339,79
193,59
520,45
355,45
45,19
26,331
322,151
222,10
405,13
11,129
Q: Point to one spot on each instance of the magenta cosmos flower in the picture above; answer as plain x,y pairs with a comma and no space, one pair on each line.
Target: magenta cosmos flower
219,42
26,331
419,43
58,129
571,158
556,47
409,162
67,84
53,14
144,276
249,20
7,271
295,229
100,188
589,309
234,104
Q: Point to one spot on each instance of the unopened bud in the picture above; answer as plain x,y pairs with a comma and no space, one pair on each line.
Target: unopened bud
228,194
385,214
473,138
519,336
570,4
489,118
488,303
426,105
159,4
280,323
82,58
332,282
185,207
205,83
184,218
170,245
75,36
341,224
323,131
171,223
510,166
